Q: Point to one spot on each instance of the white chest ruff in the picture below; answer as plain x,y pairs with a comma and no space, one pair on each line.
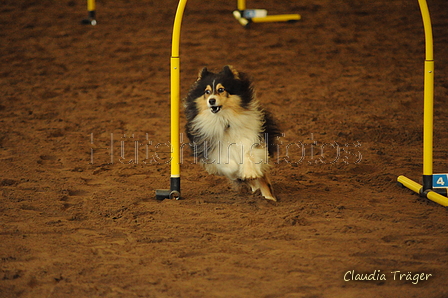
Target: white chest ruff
236,149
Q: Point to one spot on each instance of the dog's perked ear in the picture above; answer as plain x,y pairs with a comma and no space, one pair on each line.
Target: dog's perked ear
231,72
203,73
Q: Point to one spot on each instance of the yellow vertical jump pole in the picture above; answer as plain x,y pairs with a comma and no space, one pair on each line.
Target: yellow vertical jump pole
428,95
428,119
244,17
91,9
174,191
241,4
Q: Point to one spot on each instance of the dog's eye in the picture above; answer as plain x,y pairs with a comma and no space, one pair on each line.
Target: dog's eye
208,92
221,90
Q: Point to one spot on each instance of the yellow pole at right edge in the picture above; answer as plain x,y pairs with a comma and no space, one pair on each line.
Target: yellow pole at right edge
428,118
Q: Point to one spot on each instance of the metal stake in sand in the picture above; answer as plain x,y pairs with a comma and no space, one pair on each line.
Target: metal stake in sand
246,16
91,19
174,191
433,189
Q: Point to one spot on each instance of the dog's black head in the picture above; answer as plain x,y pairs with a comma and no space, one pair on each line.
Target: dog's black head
215,92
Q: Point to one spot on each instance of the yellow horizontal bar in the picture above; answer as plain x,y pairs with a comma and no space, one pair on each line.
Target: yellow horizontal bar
277,18
412,185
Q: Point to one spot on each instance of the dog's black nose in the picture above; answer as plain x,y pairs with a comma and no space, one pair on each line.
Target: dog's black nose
212,101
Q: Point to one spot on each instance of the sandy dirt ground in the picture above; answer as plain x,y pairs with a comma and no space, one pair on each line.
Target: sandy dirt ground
84,132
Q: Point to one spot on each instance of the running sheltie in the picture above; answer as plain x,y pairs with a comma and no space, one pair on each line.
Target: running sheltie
230,134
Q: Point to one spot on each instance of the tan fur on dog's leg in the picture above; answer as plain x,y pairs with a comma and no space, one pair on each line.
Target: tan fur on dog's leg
264,185
253,184
266,188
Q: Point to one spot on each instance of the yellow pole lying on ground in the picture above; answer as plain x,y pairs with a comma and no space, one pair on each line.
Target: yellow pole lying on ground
244,20
414,186
439,199
277,18
428,119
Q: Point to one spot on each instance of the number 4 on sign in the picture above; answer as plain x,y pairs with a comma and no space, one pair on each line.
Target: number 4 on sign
440,180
